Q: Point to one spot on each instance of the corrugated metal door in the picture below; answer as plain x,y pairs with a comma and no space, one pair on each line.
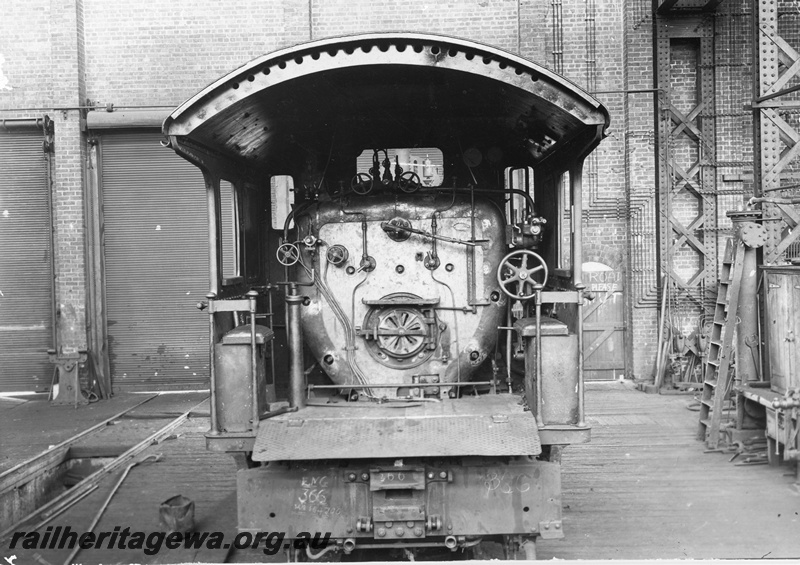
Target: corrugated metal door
26,273
156,264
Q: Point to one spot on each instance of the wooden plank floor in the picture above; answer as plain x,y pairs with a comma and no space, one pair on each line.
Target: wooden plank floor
643,488
184,468
29,428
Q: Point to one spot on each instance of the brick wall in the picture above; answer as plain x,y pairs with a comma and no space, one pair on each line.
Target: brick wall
489,21
160,53
639,141
25,49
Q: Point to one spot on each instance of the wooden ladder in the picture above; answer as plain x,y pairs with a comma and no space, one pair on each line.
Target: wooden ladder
719,355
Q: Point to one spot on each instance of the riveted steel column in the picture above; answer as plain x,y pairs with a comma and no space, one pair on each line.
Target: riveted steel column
708,158
772,130
681,176
767,177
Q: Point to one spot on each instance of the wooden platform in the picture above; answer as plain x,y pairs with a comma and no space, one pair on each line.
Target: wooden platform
28,428
643,488
471,426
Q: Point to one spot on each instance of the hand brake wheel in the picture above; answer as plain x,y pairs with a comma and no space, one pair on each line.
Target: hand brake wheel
514,269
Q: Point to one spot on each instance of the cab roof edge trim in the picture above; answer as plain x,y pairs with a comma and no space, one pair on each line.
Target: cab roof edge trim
194,106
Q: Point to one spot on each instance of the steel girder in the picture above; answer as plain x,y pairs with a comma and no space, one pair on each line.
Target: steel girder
687,193
776,108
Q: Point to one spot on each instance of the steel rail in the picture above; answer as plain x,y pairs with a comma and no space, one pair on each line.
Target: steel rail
89,482
41,461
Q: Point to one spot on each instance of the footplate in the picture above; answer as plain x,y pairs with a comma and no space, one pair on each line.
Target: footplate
470,497
491,425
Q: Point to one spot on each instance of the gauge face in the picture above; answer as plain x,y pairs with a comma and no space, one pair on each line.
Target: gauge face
397,229
472,157
338,255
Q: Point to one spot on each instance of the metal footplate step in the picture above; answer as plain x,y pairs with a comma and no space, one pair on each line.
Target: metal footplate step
492,425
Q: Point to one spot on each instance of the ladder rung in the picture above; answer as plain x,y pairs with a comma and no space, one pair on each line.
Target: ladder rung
705,422
707,403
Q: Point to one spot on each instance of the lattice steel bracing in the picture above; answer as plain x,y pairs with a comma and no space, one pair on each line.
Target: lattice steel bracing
687,154
777,126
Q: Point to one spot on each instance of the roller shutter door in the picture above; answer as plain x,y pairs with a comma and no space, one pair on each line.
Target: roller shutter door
26,275
156,265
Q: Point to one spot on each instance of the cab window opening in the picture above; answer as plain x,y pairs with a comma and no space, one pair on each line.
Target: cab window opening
282,199
565,225
518,178
230,231
426,162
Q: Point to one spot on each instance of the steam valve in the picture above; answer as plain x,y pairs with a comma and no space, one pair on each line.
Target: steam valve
338,255
288,254
526,235
367,264
431,261
361,184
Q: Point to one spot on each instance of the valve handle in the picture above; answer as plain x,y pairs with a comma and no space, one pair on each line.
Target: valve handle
288,254
361,184
514,270
409,182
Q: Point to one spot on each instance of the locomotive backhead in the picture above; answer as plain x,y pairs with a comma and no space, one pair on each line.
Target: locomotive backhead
396,290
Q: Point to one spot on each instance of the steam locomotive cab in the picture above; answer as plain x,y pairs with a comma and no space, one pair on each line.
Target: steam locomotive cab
397,360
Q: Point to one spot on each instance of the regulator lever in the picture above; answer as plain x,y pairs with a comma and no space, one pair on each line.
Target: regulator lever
388,227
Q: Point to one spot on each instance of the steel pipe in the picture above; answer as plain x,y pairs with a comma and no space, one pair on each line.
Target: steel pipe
252,295
297,396
212,373
22,123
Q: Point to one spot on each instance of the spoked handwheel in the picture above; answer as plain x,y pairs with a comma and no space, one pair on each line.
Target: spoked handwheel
288,254
361,184
519,271
409,182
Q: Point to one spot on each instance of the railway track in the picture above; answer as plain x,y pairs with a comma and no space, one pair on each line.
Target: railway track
36,491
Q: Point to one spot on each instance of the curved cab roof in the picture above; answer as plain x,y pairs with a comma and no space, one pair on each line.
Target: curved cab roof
387,90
